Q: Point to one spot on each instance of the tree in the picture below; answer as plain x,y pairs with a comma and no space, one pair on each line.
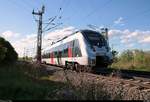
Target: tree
3,50
126,56
7,52
114,53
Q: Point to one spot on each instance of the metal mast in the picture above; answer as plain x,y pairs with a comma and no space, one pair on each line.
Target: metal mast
39,35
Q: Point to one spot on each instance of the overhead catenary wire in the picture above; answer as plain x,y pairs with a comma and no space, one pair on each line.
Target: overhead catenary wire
97,9
61,8
18,6
138,14
27,4
133,16
35,18
50,22
92,12
52,27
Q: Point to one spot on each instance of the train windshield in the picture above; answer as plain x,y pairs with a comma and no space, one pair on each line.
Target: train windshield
95,38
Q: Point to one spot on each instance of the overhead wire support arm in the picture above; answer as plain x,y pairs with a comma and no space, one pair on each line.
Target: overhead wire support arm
35,19
50,22
47,21
52,27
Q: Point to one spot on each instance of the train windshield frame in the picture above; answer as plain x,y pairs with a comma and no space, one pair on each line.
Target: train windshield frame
94,38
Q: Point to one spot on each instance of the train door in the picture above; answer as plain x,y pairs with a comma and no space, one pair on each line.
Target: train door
73,50
70,50
59,56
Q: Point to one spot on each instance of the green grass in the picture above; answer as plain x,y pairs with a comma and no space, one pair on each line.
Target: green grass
15,85
130,66
26,81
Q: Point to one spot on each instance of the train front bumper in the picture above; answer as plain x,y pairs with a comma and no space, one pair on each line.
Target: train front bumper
103,60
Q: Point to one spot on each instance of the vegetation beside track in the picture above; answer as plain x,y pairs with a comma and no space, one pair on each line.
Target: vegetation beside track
25,81
133,60
19,82
7,53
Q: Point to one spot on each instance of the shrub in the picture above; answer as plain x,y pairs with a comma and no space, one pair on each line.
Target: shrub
7,52
133,59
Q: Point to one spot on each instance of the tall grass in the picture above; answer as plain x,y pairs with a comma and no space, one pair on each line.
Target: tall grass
23,81
15,84
133,60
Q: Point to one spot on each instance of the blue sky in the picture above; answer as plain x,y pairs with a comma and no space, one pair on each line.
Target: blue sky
118,15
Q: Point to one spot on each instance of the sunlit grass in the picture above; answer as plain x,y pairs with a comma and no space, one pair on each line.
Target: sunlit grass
15,84
30,82
130,66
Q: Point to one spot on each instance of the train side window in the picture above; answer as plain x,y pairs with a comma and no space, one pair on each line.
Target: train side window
60,54
47,55
66,53
76,49
55,53
77,52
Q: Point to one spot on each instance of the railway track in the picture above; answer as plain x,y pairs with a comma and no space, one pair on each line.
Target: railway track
128,78
140,79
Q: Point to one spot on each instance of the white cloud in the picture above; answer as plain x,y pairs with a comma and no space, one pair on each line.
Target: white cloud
114,32
119,21
129,39
126,35
24,44
59,33
56,35
145,40
130,45
9,35
124,41
27,44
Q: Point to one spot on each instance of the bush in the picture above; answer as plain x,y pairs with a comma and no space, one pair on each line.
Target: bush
7,52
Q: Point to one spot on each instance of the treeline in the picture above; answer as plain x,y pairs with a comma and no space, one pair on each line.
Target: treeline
7,53
133,59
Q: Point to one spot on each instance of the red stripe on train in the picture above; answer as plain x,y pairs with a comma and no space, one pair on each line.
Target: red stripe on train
69,52
52,58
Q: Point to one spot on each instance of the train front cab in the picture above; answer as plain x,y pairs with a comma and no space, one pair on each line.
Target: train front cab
98,51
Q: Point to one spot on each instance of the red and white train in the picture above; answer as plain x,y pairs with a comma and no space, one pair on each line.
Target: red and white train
83,49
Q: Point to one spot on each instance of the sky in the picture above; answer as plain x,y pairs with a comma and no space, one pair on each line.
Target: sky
128,21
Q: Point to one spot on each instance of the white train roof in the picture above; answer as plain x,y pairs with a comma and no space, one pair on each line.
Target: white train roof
57,42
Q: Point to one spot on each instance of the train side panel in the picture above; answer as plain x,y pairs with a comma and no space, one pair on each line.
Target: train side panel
78,54
77,48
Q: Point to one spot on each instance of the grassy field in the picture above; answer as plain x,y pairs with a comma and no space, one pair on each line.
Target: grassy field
133,60
15,84
130,66
24,81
